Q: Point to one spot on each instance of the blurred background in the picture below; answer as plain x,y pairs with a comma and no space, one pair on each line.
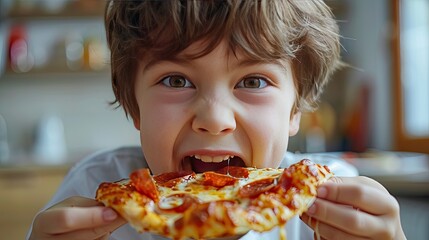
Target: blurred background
55,92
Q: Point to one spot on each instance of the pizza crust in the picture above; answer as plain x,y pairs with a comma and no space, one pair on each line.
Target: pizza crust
213,205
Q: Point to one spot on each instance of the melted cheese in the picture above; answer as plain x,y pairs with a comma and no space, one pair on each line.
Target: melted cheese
316,227
209,193
282,233
316,230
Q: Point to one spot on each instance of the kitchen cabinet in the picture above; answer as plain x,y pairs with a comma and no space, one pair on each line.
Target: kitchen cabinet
24,190
44,37
410,75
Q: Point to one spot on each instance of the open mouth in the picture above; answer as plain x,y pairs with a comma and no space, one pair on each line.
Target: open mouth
204,163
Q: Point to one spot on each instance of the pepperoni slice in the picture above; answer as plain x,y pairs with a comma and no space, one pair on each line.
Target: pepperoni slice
238,172
177,203
286,179
257,187
144,183
218,180
170,179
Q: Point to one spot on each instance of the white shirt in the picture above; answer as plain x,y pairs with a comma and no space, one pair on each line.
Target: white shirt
112,165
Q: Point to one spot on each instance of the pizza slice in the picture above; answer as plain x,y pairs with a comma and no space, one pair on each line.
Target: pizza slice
227,202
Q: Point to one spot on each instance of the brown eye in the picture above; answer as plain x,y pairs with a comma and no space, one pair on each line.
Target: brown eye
252,82
176,81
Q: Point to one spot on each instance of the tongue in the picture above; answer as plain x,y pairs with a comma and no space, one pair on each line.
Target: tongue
199,166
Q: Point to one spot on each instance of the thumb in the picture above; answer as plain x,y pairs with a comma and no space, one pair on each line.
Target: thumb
105,237
67,219
103,232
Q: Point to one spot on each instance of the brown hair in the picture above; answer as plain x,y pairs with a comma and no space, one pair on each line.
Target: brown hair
302,32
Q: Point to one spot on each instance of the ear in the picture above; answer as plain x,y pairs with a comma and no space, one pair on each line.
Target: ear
294,123
136,121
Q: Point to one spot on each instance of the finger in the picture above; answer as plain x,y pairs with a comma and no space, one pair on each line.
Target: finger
77,201
359,179
67,219
324,231
359,195
105,237
345,218
102,232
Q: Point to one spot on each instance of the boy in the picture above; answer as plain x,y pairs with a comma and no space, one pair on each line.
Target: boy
208,81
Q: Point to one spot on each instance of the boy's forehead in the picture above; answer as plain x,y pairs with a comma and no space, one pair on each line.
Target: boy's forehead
233,57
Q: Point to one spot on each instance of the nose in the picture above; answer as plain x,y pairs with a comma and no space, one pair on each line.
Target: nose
215,118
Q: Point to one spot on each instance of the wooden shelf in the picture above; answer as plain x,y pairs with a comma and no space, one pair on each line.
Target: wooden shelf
66,14
70,9
56,74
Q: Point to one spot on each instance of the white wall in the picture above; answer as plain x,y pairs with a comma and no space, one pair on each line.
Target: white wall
80,101
366,34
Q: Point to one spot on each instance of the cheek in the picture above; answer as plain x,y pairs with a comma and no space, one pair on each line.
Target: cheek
269,133
159,128
276,130
153,118
273,117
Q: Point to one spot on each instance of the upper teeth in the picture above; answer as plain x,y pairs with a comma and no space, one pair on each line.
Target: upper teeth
213,159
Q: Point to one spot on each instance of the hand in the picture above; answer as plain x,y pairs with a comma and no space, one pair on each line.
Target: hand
354,208
76,218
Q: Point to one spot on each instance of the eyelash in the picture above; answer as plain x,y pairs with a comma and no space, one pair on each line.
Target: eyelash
167,81
261,81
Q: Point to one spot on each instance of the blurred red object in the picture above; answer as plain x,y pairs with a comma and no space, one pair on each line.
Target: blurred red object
19,57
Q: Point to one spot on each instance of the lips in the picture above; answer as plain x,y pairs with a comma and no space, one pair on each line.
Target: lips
200,166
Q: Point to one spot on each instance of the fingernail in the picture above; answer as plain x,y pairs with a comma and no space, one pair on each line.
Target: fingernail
311,210
322,192
109,214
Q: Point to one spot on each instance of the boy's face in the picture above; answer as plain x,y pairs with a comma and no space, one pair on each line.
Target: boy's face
196,114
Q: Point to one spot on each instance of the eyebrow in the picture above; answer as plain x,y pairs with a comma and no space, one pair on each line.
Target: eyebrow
251,62
152,63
